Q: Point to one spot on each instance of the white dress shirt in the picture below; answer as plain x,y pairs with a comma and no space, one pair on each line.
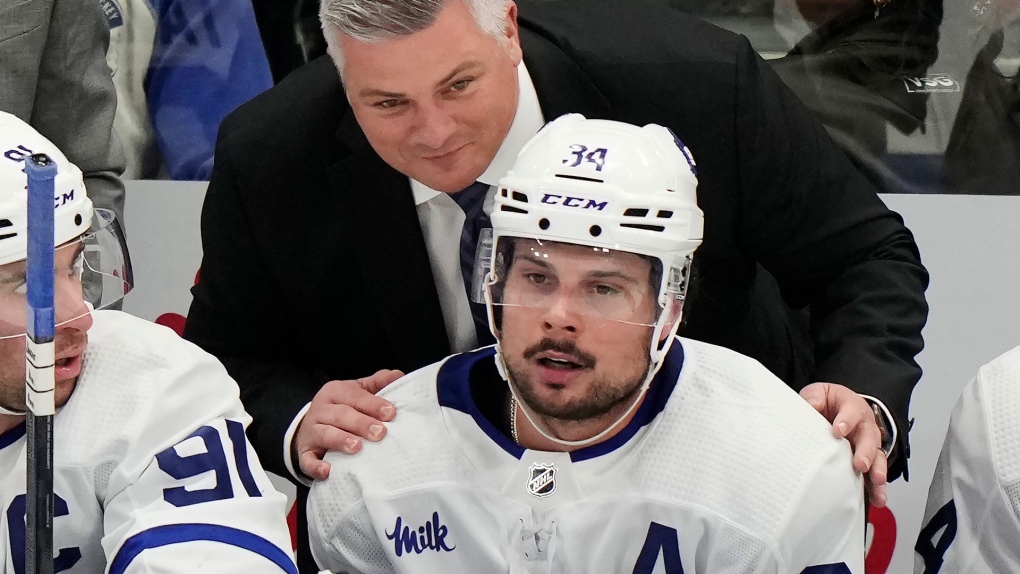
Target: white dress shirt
442,220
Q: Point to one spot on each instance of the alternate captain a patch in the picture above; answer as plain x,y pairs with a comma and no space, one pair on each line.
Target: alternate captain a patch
543,480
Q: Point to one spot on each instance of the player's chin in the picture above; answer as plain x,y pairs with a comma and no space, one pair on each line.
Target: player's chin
17,406
558,398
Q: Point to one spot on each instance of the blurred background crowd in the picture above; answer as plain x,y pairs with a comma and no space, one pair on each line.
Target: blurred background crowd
922,94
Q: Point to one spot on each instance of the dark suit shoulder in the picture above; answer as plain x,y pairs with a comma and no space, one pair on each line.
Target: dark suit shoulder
306,107
629,32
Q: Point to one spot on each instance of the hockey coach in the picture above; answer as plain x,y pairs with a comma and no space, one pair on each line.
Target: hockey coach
590,438
343,210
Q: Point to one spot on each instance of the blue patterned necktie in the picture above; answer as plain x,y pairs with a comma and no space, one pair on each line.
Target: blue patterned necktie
471,199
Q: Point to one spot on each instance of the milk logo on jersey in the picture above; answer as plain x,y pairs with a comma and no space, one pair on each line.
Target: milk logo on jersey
542,482
429,536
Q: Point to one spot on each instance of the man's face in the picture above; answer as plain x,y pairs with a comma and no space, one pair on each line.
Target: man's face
575,328
70,337
436,104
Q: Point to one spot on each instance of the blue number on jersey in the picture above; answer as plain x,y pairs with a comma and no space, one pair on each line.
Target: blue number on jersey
930,551
66,558
835,568
667,540
660,538
214,460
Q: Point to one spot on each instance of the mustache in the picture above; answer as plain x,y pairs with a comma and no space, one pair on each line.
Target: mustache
69,339
584,359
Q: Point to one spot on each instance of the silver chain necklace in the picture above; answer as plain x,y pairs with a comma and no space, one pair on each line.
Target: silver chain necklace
513,418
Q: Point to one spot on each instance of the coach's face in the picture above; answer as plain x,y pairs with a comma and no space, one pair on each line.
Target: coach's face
436,104
575,334
70,338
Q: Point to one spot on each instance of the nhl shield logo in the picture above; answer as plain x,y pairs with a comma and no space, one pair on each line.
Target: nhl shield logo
543,480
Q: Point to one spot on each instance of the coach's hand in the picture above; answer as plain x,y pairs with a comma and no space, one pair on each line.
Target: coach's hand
341,414
852,418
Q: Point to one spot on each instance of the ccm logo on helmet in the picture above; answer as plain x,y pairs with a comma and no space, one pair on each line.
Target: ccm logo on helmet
18,155
59,200
568,201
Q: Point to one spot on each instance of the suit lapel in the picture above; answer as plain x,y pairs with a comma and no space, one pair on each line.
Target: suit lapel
379,222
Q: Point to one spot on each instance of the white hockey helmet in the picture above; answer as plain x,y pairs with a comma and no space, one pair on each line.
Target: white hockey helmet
73,209
102,262
604,184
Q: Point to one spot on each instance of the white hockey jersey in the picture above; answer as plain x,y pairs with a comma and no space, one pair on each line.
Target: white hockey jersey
152,471
972,520
723,469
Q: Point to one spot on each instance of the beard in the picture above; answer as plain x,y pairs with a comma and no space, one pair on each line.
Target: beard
602,398
14,400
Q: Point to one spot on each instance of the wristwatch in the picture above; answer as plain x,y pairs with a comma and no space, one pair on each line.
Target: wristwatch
883,425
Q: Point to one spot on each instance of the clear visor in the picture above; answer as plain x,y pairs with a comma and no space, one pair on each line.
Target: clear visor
90,272
571,279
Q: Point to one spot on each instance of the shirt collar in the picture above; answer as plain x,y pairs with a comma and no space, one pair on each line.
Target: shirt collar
527,121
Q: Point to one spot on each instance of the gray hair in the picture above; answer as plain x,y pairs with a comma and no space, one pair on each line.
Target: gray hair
377,20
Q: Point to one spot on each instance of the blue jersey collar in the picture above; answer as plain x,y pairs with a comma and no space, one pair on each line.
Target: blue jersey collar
11,436
453,386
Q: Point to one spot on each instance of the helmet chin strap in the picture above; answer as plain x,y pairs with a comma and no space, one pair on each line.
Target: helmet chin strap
653,369
4,411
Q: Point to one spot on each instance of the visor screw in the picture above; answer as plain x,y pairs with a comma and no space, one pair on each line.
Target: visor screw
77,219
595,231
543,224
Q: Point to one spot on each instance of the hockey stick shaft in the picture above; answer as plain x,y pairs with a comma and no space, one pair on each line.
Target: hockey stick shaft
39,355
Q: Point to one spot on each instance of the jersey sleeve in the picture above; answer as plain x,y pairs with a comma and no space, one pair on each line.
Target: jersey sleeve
972,518
825,530
340,529
189,494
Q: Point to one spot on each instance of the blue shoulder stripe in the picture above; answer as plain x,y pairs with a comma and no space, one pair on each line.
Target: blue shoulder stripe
453,386
181,533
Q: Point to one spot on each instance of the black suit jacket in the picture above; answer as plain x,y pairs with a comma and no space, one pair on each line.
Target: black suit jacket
315,266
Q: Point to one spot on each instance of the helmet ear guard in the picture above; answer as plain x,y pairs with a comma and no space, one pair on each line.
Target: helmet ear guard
672,299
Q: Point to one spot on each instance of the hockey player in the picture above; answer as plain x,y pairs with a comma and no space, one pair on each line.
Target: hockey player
972,520
616,447
152,472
